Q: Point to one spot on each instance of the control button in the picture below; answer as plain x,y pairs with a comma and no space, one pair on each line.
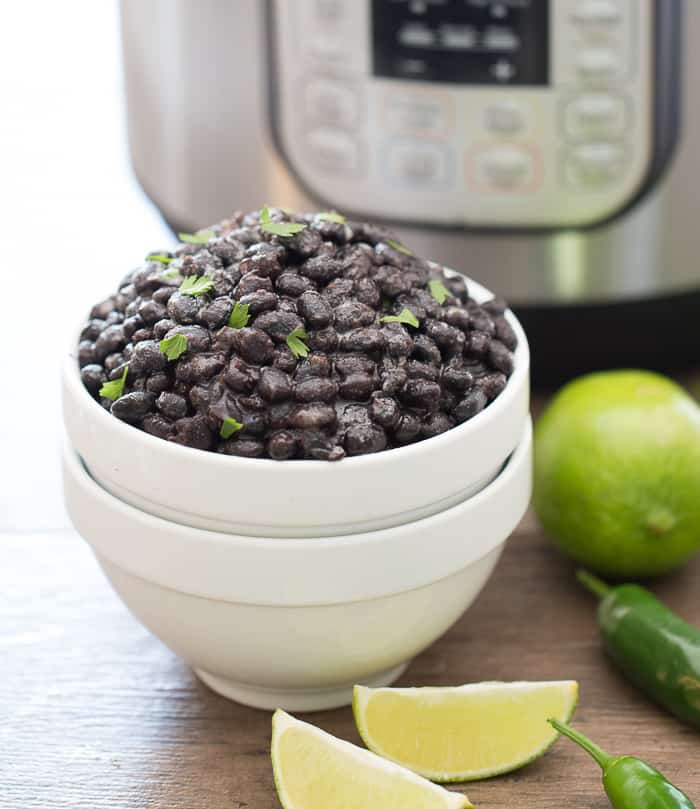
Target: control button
331,103
594,164
415,35
423,113
333,151
505,118
595,114
597,12
418,164
597,63
505,167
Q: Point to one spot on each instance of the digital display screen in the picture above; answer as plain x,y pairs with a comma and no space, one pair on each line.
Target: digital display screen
462,41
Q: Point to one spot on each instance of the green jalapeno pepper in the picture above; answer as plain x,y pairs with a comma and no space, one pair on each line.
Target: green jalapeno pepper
629,782
655,648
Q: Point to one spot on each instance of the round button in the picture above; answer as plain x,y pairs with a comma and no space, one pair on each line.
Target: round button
505,118
505,167
597,12
331,103
594,164
333,151
595,114
597,63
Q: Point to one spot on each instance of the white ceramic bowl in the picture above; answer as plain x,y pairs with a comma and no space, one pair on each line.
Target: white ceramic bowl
265,498
294,623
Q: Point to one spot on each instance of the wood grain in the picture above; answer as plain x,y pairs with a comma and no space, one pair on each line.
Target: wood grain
96,714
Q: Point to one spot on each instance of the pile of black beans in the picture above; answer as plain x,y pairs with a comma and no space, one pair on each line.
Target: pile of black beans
366,385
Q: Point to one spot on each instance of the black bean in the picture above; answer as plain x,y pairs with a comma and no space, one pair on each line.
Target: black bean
260,301
86,353
217,312
252,283
198,339
393,379
421,393
456,376
321,269
366,340
367,292
101,310
353,315
316,445
291,283
240,376
500,358
391,281
282,445
264,264
458,317
325,340
347,364
151,312
183,308
457,287
254,345
163,294
482,321
384,410
92,329
155,424
338,291
162,327
474,402
354,414
505,333
398,341
197,367
491,384
316,389
131,325
495,306
132,407
193,431
275,385
305,243
477,344
449,340
423,370
142,334
243,447
314,309
408,428
284,359
279,414
158,382
110,340
147,358
361,439
93,377
434,424
313,365
112,361
171,405
356,387
278,324
424,349
314,416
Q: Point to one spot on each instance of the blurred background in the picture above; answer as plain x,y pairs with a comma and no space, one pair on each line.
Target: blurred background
566,185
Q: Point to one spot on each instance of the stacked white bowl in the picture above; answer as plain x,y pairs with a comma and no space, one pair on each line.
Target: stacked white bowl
284,583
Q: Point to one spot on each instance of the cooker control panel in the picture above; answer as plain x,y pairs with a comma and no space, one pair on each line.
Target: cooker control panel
478,113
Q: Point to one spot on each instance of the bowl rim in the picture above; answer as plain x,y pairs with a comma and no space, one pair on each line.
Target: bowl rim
178,452
211,564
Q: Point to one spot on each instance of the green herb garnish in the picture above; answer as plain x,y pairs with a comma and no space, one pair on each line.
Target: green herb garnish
332,217
278,228
239,317
174,347
196,285
171,274
398,246
405,316
202,237
161,257
295,341
229,427
439,291
114,389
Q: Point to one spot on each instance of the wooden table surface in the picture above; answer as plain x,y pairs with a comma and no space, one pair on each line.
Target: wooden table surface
95,713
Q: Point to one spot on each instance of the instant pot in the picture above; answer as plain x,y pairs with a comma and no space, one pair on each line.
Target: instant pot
533,144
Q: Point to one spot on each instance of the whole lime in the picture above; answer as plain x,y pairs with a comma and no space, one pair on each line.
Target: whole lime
617,473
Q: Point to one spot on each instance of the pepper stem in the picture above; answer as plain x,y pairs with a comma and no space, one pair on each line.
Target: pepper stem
593,583
603,758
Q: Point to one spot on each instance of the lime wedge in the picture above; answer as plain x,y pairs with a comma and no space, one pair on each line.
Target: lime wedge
314,770
463,733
